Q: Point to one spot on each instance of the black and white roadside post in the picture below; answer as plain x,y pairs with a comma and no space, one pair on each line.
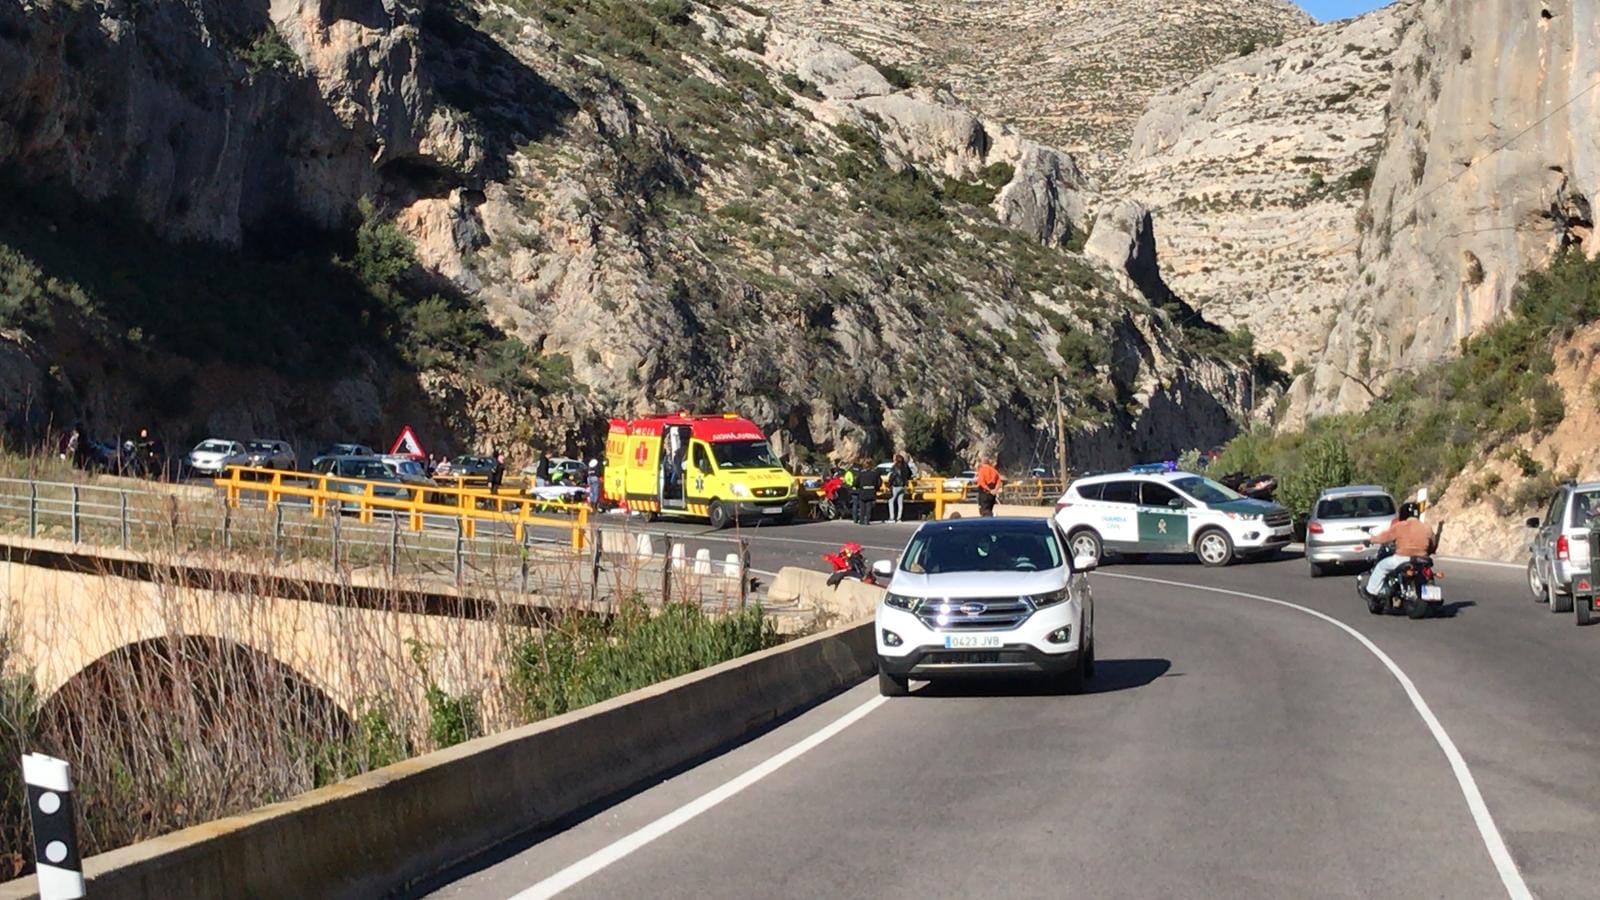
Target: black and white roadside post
55,831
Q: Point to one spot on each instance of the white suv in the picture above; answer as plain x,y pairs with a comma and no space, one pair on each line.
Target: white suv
985,596
1168,512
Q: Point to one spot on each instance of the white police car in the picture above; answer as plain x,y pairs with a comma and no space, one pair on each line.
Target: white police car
1168,512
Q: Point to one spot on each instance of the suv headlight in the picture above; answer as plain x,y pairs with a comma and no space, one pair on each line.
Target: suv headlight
1040,601
901,601
740,490
1243,517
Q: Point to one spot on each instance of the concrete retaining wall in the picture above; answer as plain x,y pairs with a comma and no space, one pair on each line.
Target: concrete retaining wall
382,831
849,601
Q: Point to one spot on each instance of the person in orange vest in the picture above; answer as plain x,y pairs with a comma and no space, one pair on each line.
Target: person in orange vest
988,481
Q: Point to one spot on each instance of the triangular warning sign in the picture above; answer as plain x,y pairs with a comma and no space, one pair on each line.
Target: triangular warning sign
408,445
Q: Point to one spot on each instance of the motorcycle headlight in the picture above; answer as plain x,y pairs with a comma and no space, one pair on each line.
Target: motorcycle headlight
1040,601
901,601
740,490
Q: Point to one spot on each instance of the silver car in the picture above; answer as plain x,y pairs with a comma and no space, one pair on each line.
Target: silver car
1559,552
1343,519
214,455
265,454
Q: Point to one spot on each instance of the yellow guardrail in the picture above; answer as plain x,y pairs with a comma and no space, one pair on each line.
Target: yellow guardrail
469,505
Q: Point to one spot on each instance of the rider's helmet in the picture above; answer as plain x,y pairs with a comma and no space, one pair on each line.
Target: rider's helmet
1408,510
850,549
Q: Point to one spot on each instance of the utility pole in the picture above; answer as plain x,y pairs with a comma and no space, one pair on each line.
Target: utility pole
1061,435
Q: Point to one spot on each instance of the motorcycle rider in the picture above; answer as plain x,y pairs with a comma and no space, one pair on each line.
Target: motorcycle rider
1410,536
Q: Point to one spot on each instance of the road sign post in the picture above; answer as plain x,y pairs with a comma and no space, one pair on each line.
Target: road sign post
55,831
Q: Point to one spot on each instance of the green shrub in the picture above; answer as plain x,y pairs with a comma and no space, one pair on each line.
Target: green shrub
1325,464
19,710
585,660
268,50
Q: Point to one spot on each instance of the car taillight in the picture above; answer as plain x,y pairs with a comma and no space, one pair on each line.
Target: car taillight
1062,504
1563,549
1314,528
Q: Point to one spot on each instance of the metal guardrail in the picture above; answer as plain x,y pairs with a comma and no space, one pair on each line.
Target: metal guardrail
573,557
469,505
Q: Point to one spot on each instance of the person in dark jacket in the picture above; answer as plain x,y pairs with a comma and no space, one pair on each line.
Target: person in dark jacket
867,480
541,471
899,484
498,473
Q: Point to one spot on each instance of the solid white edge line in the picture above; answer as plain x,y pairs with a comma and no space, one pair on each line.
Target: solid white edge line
620,848
1499,853
1482,562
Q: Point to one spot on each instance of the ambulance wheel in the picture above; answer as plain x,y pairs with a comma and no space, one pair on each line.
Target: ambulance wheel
719,515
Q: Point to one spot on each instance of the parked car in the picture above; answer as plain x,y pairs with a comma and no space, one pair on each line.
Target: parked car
361,468
962,482
1342,519
213,455
270,454
994,596
342,450
407,470
466,467
1168,512
1559,555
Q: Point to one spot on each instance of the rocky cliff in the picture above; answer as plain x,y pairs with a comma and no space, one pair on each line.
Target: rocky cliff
1489,163
1256,172
510,218
1073,74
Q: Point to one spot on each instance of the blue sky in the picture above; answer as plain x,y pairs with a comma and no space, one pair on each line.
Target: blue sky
1328,10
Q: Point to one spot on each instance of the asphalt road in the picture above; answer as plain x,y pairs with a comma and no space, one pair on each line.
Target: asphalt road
1229,747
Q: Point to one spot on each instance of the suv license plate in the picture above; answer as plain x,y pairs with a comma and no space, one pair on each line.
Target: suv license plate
970,641
772,510
1432,593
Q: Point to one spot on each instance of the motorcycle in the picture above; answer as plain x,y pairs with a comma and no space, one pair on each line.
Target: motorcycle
1410,590
830,500
849,563
1256,487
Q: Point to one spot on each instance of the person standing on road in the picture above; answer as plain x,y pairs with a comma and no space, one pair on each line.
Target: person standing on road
988,481
541,470
849,478
497,474
899,483
594,484
867,481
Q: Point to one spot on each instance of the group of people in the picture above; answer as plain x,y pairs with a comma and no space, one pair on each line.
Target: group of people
862,481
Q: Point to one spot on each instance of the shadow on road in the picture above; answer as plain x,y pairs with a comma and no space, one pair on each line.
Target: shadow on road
1110,676
1449,610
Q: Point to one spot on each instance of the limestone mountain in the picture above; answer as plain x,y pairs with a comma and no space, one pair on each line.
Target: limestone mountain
1073,73
510,218
1256,172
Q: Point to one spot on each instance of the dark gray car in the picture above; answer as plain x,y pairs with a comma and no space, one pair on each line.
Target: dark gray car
1343,519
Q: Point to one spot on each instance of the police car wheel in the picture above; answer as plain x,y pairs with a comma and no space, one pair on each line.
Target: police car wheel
719,516
1214,548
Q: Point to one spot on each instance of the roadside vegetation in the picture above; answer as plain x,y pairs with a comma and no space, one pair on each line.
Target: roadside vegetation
1430,424
181,728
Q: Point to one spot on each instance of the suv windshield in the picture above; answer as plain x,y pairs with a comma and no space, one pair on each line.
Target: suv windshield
1365,506
407,467
1001,548
262,447
745,455
1205,490
1585,507
360,468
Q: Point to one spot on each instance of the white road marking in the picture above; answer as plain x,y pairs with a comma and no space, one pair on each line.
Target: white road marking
1482,562
1499,854
619,849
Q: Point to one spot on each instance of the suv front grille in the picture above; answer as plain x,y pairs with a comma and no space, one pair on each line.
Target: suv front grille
771,492
1277,519
975,614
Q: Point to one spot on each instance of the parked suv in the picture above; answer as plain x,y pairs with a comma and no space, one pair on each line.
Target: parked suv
1559,553
990,596
1342,520
1168,512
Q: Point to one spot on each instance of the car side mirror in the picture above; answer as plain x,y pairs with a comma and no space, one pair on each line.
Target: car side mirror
1533,522
1085,564
883,570
1176,503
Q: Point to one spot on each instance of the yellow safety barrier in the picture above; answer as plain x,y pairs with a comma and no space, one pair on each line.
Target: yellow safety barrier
469,505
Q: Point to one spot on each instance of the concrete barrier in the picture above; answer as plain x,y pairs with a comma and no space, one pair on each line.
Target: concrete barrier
970,511
847,601
384,831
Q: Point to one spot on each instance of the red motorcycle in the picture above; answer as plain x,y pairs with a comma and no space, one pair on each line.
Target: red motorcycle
830,504
849,563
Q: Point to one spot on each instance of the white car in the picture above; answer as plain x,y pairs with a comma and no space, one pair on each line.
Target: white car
991,596
1168,512
212,456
